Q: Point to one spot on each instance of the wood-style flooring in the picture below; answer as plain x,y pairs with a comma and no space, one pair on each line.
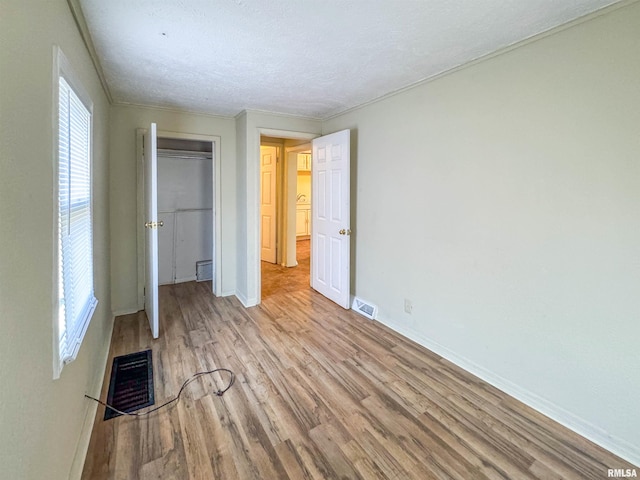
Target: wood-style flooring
277,279
321,393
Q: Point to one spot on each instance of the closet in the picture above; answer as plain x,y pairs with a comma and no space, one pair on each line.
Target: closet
185,205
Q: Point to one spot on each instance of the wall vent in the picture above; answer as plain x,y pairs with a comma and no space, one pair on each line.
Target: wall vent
367,309
204,270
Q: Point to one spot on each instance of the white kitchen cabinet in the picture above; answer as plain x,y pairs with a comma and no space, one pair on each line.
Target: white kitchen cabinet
303,220
304,162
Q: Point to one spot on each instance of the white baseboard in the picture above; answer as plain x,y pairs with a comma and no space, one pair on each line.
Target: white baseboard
243,299
90,414
83,442
247,302
597,435
126,311
186,279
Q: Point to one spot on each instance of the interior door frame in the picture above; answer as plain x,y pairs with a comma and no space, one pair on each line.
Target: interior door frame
253,208
291,154
216,284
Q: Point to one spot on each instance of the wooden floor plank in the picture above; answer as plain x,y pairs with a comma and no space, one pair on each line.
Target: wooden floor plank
320,393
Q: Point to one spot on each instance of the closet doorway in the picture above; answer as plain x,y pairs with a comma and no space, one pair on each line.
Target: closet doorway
179,209
185,208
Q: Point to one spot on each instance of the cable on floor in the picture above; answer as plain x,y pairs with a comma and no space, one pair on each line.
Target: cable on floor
219,393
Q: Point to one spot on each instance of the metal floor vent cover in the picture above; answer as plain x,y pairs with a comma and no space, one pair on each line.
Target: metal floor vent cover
131,385
365,308
204,270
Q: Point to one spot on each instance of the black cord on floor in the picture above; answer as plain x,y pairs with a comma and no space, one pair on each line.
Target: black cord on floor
219,393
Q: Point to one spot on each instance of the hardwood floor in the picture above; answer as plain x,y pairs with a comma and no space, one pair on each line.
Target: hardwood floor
320,393
277,279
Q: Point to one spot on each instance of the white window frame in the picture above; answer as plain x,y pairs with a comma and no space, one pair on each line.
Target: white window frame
66,349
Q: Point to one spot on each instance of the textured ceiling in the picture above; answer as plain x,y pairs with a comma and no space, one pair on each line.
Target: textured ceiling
306,57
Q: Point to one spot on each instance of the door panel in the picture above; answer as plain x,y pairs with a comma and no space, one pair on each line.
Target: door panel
336,196
320,186
330,228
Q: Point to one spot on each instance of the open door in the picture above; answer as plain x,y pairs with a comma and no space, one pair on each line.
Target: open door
331,220
151,228
268,159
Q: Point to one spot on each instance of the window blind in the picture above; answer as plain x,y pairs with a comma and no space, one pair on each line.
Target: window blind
75,237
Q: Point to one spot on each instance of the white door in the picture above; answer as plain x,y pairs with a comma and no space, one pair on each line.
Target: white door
330,212
268,156
151,228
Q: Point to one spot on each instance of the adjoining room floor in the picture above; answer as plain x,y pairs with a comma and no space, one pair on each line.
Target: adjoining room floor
278,279
320,393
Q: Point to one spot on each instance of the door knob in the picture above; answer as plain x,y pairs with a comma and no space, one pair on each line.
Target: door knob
345,232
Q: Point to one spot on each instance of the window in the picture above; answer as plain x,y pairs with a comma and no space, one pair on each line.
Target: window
75,299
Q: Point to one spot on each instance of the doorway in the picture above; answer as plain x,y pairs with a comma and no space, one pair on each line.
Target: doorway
285,215
184,144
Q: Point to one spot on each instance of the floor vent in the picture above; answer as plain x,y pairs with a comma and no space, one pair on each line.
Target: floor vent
131,385
204,270
364,308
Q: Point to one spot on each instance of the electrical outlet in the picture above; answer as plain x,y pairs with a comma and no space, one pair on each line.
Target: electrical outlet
408,306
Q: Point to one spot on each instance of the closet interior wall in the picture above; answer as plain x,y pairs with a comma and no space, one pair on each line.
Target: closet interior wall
185,206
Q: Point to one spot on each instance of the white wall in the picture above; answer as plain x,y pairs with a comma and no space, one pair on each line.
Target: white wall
125,120
249,126
503,200
42,421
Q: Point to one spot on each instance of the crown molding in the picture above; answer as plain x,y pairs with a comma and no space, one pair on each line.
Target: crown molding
78,16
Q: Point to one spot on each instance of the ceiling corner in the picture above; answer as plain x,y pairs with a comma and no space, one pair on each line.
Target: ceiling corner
78,16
